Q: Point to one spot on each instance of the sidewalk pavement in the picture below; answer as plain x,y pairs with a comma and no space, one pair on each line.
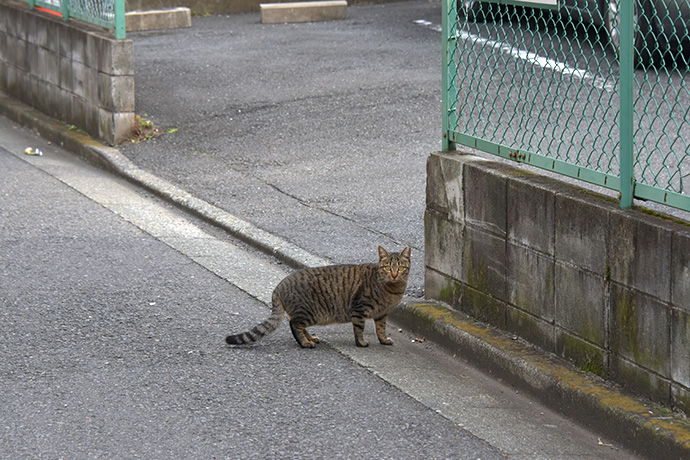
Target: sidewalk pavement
638,424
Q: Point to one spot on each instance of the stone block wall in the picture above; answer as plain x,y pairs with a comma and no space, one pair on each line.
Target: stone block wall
564,269
68,70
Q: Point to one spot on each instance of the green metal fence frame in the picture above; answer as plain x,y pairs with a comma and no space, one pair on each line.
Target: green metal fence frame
624,183
117,25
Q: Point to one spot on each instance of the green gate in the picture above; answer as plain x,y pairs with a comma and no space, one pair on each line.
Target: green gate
596,91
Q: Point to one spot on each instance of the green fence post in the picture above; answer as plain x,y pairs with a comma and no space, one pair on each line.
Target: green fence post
627,76
120,20
448,90
64,9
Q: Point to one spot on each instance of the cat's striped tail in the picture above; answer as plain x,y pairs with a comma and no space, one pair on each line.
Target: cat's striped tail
262,329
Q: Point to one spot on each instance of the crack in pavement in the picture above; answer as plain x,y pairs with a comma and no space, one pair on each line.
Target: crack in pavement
335,214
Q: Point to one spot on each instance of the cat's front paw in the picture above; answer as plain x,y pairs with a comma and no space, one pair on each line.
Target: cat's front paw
362,343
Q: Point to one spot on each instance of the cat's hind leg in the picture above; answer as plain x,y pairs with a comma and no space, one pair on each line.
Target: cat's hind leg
301,335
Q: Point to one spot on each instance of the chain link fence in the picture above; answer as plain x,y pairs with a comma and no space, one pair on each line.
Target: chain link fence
597,90
105,13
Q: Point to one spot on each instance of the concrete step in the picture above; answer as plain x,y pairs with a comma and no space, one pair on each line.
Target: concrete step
276,13
168,18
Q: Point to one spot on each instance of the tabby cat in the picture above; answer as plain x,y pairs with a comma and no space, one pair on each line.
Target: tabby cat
336,294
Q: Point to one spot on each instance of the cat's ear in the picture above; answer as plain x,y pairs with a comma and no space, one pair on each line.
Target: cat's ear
405,252
383,253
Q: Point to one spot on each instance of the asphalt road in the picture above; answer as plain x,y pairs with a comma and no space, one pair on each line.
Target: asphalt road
112,347
316,132
115,306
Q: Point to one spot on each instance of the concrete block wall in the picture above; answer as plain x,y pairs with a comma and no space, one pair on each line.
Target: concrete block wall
77,74
564,269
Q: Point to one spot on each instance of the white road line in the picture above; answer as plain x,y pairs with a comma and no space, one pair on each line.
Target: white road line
579,74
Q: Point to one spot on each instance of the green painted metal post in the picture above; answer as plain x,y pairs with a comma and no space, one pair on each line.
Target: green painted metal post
120,20
449,90
627,75
64,9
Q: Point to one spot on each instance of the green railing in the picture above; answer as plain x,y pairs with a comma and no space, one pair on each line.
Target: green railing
603,99
105,13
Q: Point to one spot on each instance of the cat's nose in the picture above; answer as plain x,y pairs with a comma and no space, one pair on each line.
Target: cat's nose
394,274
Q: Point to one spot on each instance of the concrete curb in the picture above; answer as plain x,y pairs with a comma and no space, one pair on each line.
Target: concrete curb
323,10
638,424
167,18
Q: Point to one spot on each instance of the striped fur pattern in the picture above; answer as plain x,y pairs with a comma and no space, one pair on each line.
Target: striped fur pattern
336,294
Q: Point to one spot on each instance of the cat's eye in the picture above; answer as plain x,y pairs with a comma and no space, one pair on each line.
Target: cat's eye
401,269
388,268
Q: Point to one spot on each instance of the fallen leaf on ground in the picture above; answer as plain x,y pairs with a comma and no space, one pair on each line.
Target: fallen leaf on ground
603,444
